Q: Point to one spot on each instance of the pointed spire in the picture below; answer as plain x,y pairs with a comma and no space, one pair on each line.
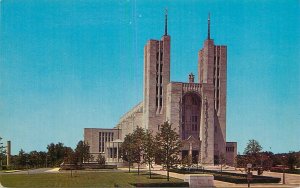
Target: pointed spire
208,29
166,22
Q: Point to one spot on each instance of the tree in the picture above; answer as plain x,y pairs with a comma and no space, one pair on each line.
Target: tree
252,151
292,160
82,151
138,137
56,153
2,153
70,156
149,149
252,148
222,160
127,150
21,159
168,144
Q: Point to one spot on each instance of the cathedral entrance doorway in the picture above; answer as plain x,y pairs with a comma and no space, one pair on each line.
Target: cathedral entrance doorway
191,115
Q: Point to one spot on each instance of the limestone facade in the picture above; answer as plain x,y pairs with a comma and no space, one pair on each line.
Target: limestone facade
196,110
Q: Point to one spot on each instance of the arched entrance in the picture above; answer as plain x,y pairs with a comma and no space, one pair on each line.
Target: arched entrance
191,115
190,126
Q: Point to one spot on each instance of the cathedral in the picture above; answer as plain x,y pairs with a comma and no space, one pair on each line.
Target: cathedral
196,110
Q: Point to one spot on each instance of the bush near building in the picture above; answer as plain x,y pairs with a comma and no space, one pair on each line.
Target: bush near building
230,177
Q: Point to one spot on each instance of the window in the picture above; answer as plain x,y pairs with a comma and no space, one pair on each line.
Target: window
194,118
230,149
194,127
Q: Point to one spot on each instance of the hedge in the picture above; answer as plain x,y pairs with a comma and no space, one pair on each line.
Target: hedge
289,171
230,177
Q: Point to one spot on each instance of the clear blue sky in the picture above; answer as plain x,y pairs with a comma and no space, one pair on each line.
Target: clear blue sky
69,64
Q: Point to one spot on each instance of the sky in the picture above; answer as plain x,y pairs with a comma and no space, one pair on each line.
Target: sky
66,65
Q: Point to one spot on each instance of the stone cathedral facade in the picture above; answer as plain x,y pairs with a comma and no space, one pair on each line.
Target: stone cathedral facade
197,111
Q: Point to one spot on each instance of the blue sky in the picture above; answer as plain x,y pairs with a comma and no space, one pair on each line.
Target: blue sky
66,65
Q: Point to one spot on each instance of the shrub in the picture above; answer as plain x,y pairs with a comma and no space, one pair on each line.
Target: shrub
289,171
230,177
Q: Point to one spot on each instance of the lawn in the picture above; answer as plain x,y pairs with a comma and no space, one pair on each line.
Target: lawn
80,179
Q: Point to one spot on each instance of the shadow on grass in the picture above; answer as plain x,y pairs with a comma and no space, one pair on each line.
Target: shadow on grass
162,184
153,176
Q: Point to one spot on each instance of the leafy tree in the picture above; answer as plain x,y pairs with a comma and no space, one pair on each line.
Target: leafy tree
70,156
83,151
21,159
127,150
292,160
2,153
252,148
149,149
56,153
168,144
252,151
138,137
33,159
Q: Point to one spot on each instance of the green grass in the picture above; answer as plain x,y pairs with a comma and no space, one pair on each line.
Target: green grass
81,179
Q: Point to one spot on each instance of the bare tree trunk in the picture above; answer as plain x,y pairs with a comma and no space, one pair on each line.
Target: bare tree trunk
150,169
168,177
138,168
129,166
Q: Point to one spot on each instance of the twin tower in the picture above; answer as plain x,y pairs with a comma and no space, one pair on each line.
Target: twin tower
196,110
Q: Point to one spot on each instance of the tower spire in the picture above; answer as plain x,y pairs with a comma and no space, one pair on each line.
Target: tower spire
166,22
208,27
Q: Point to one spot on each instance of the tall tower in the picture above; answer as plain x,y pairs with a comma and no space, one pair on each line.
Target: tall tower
8,153
212,74
156,79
